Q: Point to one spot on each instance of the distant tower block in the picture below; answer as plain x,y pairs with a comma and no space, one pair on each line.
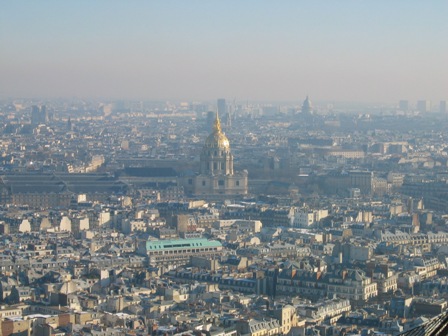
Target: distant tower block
442,106
222,110
403,105
39,115
210,120
43,114
69,124
424,106
222,107
228,120
35,115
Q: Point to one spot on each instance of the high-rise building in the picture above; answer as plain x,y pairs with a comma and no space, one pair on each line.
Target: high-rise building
403,105
38,115
209,120
222,107
442,106
43,114
229,120
35,115
216,177
424,106
224,112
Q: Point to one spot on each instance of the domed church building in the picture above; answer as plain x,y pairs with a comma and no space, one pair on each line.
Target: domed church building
216,176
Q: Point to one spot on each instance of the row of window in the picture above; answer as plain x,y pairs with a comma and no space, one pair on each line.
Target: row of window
220,183
184,251
11,313
176,245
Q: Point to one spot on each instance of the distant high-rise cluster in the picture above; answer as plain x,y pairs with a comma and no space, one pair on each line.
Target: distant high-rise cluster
422,106
39,115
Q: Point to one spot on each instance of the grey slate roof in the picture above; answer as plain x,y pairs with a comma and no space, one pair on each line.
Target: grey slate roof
437,326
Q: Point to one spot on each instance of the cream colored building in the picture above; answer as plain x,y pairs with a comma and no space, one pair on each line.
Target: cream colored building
254,327
65,224
352,284
329,310
287,318
241,224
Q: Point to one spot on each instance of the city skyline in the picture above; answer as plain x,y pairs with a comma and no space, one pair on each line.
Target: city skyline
256,51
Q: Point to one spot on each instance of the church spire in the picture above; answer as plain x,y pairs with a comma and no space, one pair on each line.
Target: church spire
217,125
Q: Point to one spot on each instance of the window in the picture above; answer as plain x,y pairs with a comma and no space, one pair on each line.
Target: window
237,183
203,183
215,165
190,181
221,182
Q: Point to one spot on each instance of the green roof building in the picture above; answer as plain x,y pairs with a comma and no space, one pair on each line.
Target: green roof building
169,254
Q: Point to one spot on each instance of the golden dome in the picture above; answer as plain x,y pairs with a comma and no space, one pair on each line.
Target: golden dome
217,139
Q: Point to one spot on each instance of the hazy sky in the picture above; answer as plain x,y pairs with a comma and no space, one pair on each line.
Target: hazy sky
376,50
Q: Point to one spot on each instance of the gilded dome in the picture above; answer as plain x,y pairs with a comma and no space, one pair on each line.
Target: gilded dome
217,139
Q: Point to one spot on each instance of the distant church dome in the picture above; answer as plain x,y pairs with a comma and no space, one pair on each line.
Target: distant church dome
307,107
217,139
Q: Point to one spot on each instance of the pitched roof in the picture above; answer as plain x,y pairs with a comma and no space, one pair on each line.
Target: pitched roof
437,326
